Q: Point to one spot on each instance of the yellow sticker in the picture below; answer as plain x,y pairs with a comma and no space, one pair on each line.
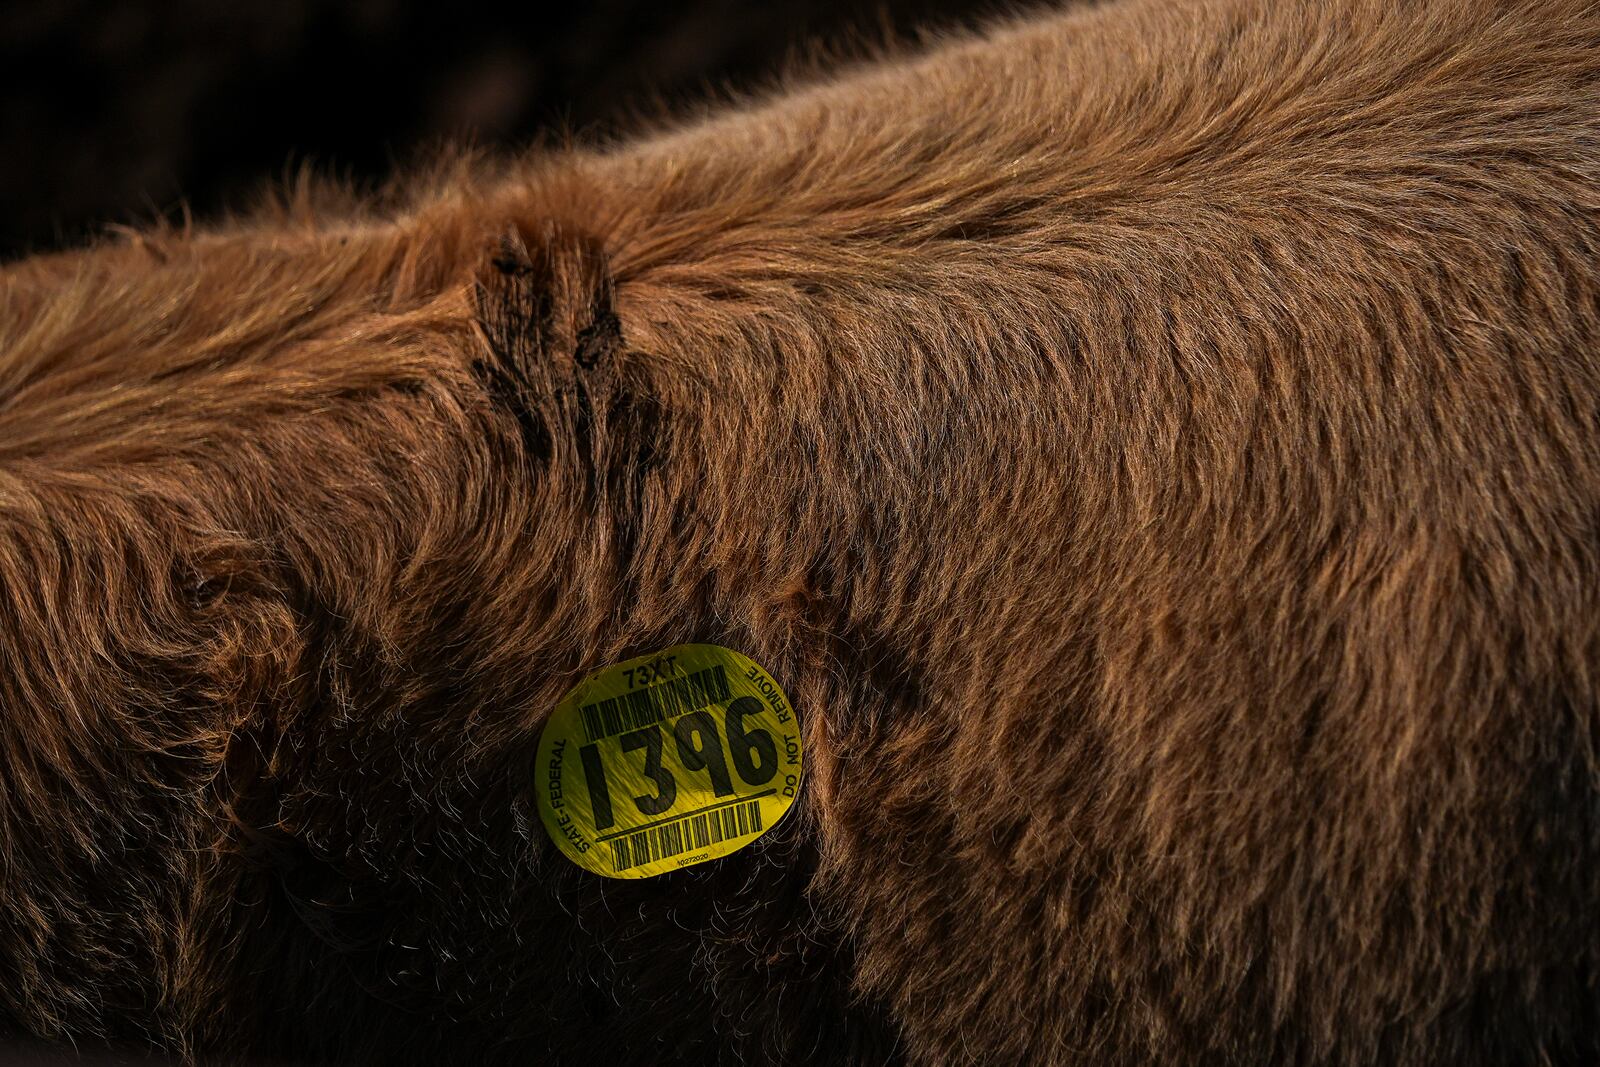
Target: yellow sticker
666,761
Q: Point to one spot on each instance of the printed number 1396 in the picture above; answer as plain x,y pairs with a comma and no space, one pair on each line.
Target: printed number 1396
699,748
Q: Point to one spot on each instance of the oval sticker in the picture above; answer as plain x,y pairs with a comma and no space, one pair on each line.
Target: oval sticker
666,761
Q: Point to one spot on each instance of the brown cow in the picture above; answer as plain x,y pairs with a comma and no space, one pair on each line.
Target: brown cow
1156,447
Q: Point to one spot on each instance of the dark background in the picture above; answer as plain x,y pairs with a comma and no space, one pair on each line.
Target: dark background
125,111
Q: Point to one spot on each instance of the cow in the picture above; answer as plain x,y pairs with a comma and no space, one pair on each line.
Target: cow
1154,446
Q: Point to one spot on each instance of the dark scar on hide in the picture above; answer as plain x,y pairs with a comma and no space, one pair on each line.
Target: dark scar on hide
602,335
514,312
618,428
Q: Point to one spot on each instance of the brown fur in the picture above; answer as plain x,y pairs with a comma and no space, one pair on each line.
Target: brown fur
1158,447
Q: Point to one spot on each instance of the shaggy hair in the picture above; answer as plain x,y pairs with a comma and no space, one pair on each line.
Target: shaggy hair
1156,446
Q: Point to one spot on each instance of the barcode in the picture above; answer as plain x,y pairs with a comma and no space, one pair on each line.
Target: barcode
645,707
675,838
